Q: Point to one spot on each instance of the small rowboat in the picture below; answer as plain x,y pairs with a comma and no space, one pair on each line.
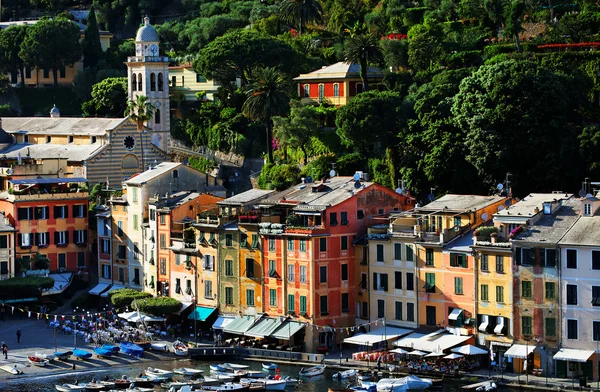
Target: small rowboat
49,357
155,372
131,349
115,349
269,366
81,354
180,349
62,355
217,368
37,361
313,371
234,366
346,374
187,371
103,352
69,387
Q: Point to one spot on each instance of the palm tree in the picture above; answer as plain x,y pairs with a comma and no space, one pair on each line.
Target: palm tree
140,110
301,12
267,97
363,49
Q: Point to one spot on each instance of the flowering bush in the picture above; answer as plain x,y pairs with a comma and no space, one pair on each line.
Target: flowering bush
395,36
514,232
566,46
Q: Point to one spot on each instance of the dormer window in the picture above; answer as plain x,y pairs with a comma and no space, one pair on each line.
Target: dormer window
587,209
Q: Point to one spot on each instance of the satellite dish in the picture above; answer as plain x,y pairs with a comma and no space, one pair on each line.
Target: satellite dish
484,216
399,191
500,186
332,173
507,203
357,184
356,177
589,195
581,192
500,208
430,197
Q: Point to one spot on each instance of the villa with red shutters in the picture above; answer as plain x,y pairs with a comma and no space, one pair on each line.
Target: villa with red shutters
334,84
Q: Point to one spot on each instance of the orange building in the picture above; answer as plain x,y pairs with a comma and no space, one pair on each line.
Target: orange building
50,215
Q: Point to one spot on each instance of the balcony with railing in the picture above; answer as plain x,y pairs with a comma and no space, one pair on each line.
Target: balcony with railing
147,59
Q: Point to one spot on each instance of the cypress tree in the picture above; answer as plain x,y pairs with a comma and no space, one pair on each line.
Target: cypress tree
90,45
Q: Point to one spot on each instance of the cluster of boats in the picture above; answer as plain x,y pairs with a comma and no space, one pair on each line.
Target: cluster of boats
223,377
404,384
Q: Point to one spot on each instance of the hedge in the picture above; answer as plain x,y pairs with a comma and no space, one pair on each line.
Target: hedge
484,232
159,306
28,286
124,297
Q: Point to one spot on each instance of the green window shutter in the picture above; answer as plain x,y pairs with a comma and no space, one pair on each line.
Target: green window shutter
409,253
302,304
398,251
291,300
464,261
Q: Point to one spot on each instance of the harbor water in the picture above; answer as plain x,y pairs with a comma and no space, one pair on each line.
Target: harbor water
45,382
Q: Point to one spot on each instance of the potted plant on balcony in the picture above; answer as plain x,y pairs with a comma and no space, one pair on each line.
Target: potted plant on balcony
494,237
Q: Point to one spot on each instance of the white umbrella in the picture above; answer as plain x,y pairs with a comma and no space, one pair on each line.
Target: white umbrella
434,355
399,351
469,349
453,356
417,353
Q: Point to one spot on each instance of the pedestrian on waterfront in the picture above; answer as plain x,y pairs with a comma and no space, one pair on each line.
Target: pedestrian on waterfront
19,335
5,350
379,364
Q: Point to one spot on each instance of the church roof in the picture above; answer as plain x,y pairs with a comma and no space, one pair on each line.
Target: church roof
340,70
147,33
61,125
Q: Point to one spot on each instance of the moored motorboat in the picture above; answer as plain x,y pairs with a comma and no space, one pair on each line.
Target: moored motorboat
69,387
49,357
37,361
292,381
269,366
131,349
99,386
234,366
180,349
184,371
115,349
313,371
81,354
163,347
228,386
103,352
346,374
251,373
404,384
217,368
275,385
487,387
224,376
177,385
155,372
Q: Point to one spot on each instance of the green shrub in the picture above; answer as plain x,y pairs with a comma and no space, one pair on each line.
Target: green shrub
31,286
124,297
318,168
484,232
159,306
469,58
414,16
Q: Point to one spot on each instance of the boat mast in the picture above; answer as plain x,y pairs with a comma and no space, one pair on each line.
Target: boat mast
137,308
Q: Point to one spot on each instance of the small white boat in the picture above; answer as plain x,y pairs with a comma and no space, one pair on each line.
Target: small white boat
251,374
234,366
275,385
269,366
177,385
313,371
158,373
37,361
99,386
217,368
180,349
292,381
346,374
224,377
228,386
69,387
184,371
159,347
487,387
138,389
403,384
49,357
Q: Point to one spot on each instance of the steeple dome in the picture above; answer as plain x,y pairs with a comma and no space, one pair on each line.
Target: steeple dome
147,33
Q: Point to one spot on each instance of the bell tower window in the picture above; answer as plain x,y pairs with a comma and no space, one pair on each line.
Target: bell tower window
152,81
140,82
133,82
157,116
160,81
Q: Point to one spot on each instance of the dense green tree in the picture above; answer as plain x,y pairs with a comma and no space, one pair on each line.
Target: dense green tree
51,44
90,44
512,114
395,53
267,97
515,12
140,110
109,98
10,46
472,9
370,122
425,47
199,32
299,13
234,54
495,10
363,49
297,130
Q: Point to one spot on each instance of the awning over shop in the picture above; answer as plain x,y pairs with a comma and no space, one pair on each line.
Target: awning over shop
454,314
288,329
115,287
378,335
240,325
485,321
201,313
499,325
135,317
99,288
222,322
264,327
61,282
573,355
434,342
184,306
519,351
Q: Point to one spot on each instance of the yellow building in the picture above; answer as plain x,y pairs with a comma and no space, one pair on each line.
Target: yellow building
183,79
43,77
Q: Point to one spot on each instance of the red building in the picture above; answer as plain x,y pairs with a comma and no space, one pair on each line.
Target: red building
309,261
334,84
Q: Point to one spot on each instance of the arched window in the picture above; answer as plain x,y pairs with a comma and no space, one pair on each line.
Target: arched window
321,92
140,82
157,116
133,82
307,90
152,81
336,90
160,82
130,161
